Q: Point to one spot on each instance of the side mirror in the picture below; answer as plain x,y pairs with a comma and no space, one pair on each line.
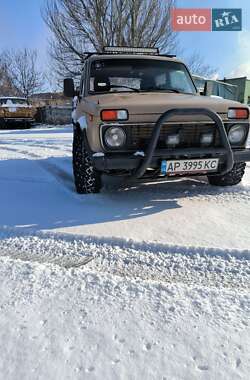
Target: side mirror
68,88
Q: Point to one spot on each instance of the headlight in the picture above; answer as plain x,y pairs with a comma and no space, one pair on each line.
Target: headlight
236,134
248,141
115,137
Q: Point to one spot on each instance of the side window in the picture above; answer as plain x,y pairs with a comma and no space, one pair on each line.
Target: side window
178,80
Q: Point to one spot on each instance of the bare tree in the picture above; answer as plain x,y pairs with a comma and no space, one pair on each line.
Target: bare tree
6,85
80,25
23,71
197,66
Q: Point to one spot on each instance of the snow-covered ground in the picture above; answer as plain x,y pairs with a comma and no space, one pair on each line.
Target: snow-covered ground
142,281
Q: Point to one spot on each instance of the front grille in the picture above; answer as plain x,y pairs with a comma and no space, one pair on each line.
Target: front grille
138,136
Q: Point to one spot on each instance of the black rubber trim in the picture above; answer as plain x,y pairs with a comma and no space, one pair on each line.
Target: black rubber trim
145,162
242,155
128,162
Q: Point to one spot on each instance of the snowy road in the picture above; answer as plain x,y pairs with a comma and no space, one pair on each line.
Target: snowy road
37,163
141,281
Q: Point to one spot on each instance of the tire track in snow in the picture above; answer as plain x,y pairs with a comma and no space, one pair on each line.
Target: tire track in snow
163,264
205,192
57,172
61,148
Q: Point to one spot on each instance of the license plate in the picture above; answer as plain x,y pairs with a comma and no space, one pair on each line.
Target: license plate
189,166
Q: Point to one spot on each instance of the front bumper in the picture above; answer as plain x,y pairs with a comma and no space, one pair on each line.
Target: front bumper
153,157
10,120
15,122
130,162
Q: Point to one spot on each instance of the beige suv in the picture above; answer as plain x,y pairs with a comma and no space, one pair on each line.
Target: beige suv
138,114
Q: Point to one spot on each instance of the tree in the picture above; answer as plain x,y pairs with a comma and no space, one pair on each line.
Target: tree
6,85
197,66
23,71
80,25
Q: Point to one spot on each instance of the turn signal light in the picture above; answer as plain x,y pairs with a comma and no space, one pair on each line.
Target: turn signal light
238,113
114,115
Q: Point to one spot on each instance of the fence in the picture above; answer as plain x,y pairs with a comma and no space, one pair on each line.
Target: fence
54,115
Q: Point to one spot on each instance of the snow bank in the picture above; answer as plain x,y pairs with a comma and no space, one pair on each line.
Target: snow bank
143,281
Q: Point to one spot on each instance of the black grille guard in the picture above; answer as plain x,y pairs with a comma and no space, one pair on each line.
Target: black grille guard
226,147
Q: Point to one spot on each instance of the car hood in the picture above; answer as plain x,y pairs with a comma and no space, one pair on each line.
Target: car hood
142,104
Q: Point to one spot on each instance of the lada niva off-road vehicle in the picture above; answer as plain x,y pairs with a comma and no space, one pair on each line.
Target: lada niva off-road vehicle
16,112
138,114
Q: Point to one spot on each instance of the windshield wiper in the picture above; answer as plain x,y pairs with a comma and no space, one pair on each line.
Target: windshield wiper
123,86
173,90
162,90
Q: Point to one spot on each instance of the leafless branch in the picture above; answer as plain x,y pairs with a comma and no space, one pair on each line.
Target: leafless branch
80,25
197,66
23,71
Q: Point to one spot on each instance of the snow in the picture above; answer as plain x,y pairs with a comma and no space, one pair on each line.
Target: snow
139,153
13,105
142,281
82,122
98,154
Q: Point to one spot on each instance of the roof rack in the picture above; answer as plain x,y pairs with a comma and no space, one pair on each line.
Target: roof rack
128,50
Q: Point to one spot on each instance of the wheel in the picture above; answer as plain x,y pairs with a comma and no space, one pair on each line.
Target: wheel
87,179
231,178
2,124
27,125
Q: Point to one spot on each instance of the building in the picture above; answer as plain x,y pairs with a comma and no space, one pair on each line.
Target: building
49,99
243,88
211,87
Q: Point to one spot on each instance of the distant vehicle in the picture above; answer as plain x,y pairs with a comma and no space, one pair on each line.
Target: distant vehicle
138,114
16,111
211,87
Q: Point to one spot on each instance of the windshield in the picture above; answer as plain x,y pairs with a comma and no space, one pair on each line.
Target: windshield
10,101
117,75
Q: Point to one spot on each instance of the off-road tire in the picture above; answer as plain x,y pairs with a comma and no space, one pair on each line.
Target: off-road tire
27,125
2,124
87,179
231,178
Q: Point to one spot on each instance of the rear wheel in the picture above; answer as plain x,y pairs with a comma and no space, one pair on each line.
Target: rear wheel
231,178
87,179
27,125
2,124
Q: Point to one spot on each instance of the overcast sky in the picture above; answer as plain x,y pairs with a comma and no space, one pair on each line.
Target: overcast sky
21,25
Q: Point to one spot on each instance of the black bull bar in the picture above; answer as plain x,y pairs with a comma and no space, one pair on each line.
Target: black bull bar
226,147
